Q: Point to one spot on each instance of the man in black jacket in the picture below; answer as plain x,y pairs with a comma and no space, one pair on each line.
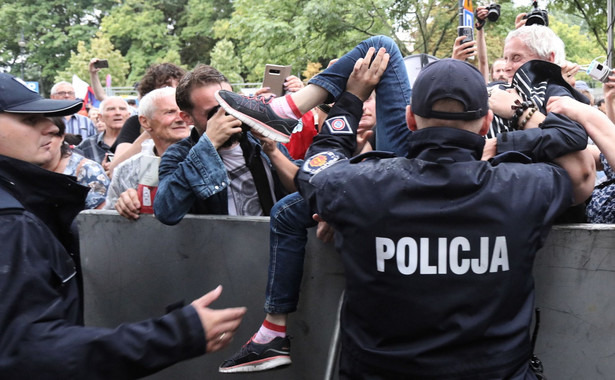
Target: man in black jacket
41,314
437,246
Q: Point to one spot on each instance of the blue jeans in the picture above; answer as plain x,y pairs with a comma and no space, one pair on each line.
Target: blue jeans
291,216
290,219
392,92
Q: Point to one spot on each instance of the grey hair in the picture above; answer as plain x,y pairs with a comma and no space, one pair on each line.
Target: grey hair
54,89
541,40
102,105
147,103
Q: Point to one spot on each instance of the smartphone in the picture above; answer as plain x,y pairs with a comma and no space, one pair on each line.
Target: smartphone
101,64
274,78
467,31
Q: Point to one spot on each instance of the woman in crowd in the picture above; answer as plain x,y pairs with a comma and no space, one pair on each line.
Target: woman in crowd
87,172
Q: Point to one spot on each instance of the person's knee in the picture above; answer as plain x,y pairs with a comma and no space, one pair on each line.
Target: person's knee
381,41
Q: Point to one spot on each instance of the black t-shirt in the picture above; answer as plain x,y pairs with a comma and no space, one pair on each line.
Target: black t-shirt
129,133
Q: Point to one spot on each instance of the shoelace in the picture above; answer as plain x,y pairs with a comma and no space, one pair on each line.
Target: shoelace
260,98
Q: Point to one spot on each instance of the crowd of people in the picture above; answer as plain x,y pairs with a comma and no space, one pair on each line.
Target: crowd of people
471,165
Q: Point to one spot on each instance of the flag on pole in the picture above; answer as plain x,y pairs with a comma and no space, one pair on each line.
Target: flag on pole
84,91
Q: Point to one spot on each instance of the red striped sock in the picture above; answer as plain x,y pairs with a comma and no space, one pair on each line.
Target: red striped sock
286,108
268,332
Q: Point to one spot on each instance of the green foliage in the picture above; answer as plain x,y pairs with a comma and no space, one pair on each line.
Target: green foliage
594,14
223,58
51,30
580,47
101,48
143,33
240,36
297,32
196,28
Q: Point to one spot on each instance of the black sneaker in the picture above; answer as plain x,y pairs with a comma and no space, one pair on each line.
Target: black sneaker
253,357
257,113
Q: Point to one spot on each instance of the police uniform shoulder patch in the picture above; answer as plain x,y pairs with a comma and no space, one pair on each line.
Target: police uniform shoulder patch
320,161
338,125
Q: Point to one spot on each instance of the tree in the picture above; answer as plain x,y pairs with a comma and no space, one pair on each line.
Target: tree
223,58
102,48
297,32
594,12
51,30
195,29
144,33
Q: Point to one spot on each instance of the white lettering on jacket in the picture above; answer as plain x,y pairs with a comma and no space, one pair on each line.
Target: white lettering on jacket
410,256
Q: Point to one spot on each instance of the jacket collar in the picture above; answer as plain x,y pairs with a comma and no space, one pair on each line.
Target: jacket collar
445,144
54,198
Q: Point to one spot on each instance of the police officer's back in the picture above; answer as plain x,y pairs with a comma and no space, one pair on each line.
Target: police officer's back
438,246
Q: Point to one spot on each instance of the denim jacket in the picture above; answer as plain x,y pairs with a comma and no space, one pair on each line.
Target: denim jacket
193,179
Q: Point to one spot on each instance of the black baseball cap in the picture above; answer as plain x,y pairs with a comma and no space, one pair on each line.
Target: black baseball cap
452,79
16,97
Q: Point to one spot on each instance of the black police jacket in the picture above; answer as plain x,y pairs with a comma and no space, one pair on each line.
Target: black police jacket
438,248
41,336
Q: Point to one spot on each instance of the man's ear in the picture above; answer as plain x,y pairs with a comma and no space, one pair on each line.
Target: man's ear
552,57
145,123
186,117
486,123
410,119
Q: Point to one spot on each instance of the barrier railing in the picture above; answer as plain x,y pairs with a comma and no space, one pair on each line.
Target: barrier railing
133,270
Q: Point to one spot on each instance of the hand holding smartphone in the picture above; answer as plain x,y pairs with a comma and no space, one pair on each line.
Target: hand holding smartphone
274,78
468,32
101,64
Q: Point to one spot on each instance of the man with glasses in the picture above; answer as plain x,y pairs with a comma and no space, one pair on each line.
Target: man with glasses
75,124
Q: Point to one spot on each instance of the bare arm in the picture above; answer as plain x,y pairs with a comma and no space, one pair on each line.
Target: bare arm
609,97
581,165
285,168
598,126
95,80
582,171
126,150
483,61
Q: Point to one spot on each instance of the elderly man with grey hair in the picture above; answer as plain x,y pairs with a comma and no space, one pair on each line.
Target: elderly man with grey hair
534,57
75,124
113,112
158,115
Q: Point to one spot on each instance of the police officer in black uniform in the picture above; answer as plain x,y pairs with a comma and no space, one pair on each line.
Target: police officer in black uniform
438,246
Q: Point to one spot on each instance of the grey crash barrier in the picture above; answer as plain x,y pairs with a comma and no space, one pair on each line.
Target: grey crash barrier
133,270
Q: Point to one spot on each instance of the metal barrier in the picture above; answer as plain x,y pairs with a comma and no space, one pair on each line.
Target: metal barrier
133,270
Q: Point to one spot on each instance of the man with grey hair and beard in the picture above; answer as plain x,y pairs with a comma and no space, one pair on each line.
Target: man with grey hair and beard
220,168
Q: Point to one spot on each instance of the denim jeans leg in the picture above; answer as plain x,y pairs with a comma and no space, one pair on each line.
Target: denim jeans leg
392,93
290,219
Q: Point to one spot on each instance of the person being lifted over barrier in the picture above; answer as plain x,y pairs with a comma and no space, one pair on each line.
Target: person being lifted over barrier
41,314
274,116
291,216
437,246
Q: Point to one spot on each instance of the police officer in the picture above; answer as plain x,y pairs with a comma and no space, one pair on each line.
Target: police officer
437,246
41,323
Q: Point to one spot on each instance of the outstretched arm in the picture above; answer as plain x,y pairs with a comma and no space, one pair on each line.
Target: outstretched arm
581,165
95,80
481,44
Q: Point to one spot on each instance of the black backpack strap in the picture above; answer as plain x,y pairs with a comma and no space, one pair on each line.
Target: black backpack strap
254,162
